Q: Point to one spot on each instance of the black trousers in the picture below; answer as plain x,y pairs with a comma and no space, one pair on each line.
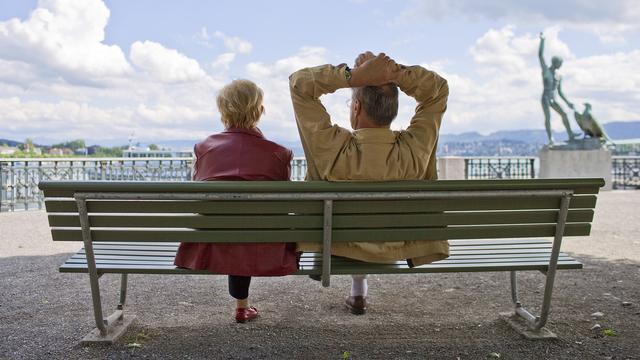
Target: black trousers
239,286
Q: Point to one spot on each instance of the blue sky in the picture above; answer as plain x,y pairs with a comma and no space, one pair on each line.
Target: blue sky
101,70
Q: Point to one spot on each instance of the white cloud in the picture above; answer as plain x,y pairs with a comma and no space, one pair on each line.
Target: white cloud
223,61
500,50
65,37
167,65
611,21
233,43
47,61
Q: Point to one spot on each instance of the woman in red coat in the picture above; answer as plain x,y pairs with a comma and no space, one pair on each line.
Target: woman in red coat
240,152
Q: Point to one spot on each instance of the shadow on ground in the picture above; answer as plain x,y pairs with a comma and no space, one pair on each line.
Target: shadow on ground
44,314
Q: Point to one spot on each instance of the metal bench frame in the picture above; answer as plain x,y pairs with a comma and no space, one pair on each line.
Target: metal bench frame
534,323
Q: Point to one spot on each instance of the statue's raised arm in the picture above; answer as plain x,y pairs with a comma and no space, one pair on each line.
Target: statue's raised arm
541,51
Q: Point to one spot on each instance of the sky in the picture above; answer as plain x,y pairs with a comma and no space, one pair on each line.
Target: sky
106,70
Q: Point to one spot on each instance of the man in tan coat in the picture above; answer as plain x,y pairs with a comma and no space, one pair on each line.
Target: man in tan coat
372,151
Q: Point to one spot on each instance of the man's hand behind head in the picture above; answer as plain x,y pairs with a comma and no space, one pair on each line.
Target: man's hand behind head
368,55
374,71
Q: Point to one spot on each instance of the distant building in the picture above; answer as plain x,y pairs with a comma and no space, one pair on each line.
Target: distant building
92,150
56,152
629,147
8,150
164,153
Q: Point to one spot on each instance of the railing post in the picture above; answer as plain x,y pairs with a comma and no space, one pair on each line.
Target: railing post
532,171
3,184
40,176
466,168
103,171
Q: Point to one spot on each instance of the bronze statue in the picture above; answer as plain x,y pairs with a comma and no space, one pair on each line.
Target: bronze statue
552,82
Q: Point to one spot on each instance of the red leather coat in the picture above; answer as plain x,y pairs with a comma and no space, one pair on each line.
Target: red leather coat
240,154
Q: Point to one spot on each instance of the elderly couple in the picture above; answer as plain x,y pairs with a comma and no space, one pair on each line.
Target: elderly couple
372,151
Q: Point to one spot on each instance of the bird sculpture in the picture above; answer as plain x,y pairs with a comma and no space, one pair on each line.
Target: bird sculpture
590,125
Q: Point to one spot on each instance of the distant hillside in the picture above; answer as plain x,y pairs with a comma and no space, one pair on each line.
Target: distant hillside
10,143
617,130
505,142
620,130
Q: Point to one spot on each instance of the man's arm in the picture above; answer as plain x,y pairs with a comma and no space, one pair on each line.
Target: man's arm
431,92
541,52
321,140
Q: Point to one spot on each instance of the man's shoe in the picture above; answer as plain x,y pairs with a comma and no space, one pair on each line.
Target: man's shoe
246,314
316,277
357,305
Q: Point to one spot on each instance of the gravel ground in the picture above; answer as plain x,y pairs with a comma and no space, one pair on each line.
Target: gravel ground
43,314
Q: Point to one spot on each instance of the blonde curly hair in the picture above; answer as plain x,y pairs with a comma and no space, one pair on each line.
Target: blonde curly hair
240,104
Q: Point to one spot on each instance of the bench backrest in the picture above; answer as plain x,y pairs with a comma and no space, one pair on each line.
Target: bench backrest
279,211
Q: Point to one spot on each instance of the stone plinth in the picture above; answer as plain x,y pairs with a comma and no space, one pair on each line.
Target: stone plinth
576,164
451,168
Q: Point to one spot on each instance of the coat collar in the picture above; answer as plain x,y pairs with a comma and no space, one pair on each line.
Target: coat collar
253,131
375,136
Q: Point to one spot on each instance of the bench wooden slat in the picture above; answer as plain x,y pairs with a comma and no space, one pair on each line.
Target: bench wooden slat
315,207
68,188
114,251
339,235
314,260
454,243
364,268
418,206
468,247
204,207
315,221
454,253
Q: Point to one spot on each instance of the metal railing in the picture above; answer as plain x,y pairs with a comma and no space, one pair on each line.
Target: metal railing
499,167
625,172
19,178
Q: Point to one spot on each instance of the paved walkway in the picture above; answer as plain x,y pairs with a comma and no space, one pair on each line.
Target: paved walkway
43,313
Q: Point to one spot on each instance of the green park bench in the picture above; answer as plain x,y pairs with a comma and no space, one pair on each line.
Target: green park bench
491,225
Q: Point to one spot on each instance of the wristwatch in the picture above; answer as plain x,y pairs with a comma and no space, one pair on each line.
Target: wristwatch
347,74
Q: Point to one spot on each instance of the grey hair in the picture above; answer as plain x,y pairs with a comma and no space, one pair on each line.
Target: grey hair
379,102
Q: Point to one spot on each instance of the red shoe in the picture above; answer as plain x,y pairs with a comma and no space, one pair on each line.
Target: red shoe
246,314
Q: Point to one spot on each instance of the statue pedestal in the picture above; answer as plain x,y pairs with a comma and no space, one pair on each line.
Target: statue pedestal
561,163
451,168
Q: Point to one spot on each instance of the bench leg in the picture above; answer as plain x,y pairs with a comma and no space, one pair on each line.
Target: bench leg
108,329
535,325
525,323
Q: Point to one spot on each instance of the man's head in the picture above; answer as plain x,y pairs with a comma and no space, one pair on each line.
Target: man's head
374,106
556,62
240,104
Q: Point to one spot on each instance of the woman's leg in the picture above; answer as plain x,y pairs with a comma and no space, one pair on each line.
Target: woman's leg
239,289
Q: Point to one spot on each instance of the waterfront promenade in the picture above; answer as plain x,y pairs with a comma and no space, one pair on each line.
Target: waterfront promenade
43,313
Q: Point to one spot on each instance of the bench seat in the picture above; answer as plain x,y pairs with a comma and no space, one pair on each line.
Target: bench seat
466,256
